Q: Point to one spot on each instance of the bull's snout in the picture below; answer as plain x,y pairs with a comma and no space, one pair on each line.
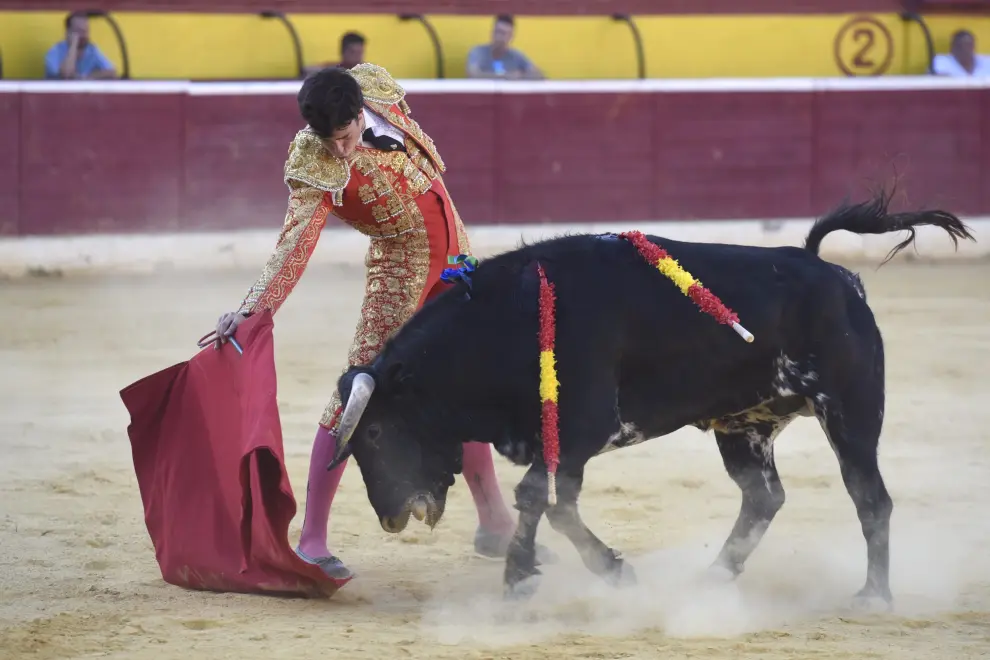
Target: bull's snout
421,507
396,524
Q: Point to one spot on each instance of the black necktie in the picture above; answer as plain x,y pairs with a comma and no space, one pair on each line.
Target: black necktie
383,142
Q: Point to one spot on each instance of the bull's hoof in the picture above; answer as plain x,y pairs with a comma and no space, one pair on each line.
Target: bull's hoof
614,569
720,573
520,584
870,600
622,574
521,591
495,545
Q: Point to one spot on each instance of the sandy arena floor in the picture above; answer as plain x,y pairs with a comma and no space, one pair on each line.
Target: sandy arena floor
78,576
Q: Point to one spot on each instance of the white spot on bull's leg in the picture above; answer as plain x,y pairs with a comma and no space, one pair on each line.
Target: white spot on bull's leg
625,430
766,480
814,403
788,373
628,435
760,444
781,379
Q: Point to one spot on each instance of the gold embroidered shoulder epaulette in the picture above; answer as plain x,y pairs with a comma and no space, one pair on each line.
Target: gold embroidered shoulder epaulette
310,163
378,85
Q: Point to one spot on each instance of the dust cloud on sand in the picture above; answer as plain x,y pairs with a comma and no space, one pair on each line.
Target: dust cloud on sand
78,576
808,578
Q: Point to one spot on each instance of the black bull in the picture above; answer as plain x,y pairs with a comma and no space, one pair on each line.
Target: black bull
636,359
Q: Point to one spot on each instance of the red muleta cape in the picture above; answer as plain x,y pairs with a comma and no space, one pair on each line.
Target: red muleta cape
206,439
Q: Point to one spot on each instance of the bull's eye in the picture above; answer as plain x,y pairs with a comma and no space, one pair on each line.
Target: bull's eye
373,432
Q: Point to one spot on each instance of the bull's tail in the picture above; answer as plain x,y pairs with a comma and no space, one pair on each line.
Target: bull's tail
872,217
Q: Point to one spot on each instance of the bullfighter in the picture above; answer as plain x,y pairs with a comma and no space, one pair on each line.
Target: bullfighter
363,159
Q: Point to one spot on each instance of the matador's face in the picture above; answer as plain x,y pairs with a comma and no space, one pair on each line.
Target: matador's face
343,141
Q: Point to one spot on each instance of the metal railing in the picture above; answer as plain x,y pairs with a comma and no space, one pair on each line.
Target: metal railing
437,48
125,72
637,39
296,44
915,17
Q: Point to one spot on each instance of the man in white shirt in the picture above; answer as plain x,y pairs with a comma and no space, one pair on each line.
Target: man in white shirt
962,60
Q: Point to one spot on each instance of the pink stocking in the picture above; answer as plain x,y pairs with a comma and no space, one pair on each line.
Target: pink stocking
479,472
320,490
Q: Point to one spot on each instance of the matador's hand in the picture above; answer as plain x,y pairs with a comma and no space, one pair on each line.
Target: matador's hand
226,326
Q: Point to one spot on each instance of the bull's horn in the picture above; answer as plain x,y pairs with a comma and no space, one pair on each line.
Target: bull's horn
361,391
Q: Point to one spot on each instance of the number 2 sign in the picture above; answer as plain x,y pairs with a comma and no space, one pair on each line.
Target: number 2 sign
863,47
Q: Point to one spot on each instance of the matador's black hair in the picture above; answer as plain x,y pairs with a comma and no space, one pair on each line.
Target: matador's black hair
329,99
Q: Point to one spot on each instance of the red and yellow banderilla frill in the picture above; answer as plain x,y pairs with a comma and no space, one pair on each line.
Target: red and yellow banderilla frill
550,386
690,287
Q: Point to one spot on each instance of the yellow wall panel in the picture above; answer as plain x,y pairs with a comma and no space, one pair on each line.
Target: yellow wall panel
225,46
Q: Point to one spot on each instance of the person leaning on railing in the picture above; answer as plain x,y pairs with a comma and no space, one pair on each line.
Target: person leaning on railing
499,61
76,57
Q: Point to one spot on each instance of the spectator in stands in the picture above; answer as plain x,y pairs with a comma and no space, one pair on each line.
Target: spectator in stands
351,54
77,58
962,60
497,59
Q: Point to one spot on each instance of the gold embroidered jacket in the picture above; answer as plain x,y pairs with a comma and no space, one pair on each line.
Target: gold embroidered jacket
373,191
396,198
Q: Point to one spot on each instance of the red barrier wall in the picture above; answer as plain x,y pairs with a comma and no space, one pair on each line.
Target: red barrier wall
100,162
137,162
10,163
